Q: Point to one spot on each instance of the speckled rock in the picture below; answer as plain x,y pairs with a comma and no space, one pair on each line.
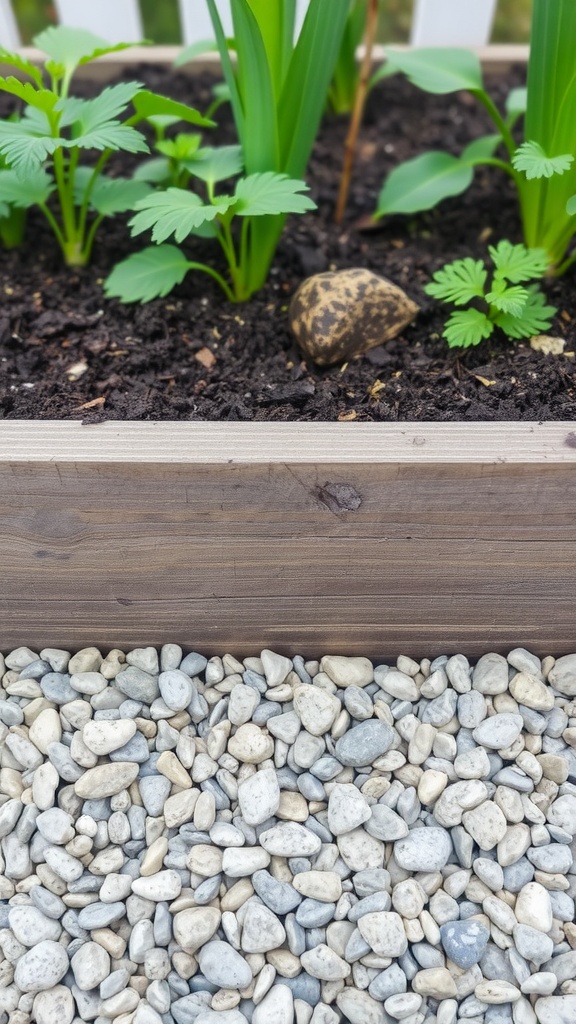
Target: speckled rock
338,315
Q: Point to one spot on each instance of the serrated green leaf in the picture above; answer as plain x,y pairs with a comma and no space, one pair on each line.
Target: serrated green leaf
23,192
22,148
213,165
516,263
150,104
268,193
71,47
115,195
176,212
107,106
531,158
423,182
16,60
516,102
110,135
571,206
535,318
507,299
458,282
42,99
466,328
147,275
438,69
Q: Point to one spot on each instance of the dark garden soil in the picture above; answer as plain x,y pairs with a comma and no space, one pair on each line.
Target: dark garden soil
66,352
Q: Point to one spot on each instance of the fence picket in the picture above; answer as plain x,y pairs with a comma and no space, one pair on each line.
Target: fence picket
117,21
452,22
9,34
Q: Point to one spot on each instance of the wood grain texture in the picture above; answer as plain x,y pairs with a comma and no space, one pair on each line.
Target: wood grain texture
418,538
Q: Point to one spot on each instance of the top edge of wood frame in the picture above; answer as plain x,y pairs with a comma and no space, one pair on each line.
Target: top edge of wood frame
497,54
206,443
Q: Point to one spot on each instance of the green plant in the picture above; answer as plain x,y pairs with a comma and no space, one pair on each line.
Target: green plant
42,149
542,167
278,90
344,84
504,301
178,213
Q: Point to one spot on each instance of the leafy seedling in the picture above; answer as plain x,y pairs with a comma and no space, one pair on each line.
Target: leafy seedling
43,148
178,213
504,301
542,167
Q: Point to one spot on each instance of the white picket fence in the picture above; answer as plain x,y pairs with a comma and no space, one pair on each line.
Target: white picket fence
435,22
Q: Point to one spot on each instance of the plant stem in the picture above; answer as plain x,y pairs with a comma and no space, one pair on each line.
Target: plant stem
359,103
489,105
55,227
217,277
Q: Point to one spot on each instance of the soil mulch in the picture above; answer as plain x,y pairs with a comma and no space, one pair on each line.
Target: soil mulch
68,353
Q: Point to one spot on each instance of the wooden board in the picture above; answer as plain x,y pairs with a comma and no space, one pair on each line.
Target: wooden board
312,538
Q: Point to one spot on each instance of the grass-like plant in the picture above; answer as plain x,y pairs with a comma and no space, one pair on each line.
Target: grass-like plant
502,301
542,166
42,149
178,213
342,91
278,87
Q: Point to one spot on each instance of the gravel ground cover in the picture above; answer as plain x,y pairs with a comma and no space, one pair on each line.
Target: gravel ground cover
281,841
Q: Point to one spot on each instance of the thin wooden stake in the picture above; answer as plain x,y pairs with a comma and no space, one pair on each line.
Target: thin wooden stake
359,103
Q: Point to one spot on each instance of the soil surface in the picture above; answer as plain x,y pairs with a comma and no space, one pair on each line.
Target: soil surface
68,353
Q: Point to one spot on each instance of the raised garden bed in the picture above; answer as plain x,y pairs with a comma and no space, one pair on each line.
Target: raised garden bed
348,536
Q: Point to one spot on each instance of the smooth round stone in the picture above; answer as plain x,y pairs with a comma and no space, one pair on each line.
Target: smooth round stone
193,664
562,675
385,824
154,790
242,703
314,914
423,849
490,674
277,1007
563,813
499,731
472,709
325,886
323,963
555,858
384,933
316,708
41,967
224,966
464,941
90,965
347,671
281,897
529,690
364,743
397,684
195,926
137,684
436,982
261,929
556,1009
164,885
106,780
289,839
54,1006
486,824
243,861
100,915
56,826
101,737
30,926
495,992
259,796
347,809
533,907
276,667
175,689
403,1004
532,944
251,744
358,1007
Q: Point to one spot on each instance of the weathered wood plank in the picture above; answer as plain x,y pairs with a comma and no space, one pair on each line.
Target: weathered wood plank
423,538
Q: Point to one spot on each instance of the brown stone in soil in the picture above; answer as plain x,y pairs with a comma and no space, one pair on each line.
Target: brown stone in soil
338,315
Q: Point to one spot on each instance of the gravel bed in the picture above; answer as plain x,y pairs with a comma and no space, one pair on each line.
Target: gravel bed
281,841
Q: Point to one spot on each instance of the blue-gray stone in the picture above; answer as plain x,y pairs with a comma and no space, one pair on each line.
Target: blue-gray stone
255,680
4,912
322,831
562,906
220,799
154,790
137,819
11,713
295,935
427,956
280,897
408,964
106,714
356,947
193,664
315,937
162,925
266,710
464,941
310,787
137,684
495,965
509,777
35,670
423,849
314,914
26,825
326,768
187,1009
364,743
100,809
552,858
371,880
207,890
100,915
358,704
304,987
66,767
48,902
300,669
86,883
130,708
178,986
518,874
71,924
149,767
56,687
389,982
441,709
376,903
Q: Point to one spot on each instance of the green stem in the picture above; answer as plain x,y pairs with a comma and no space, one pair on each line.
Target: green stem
55,226
489,105
87,248
226,240
565,265
83,214
217,277
493,161
66,202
